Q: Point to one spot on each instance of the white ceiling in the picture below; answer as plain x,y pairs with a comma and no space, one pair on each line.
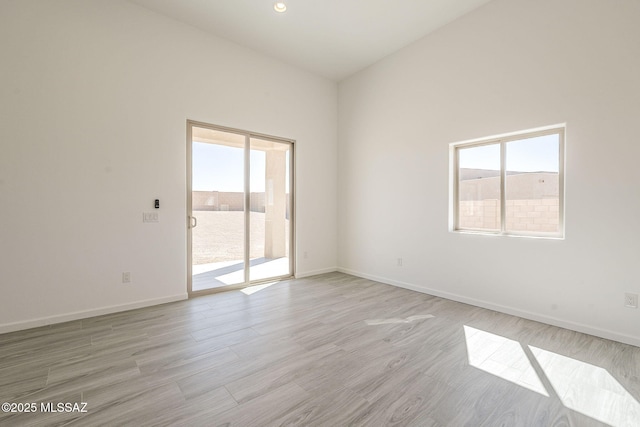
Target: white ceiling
332,38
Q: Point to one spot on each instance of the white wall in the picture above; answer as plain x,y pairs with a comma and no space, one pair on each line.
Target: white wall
510,65
94,98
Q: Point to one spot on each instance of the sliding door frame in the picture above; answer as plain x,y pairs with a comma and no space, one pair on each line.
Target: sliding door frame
247,207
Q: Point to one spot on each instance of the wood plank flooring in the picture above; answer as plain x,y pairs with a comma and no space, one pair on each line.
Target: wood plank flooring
330,350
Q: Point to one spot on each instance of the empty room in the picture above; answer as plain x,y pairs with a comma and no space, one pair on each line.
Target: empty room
336,213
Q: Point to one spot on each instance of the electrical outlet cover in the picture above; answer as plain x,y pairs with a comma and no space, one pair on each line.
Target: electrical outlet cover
631,300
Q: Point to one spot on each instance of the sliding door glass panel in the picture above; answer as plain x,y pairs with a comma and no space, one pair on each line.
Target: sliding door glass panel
218,206
479,188
270,210
532,201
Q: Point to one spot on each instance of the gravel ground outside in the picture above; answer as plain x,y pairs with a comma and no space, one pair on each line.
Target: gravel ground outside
219,236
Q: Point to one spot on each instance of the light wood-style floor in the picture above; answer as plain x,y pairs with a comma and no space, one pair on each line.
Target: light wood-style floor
330,350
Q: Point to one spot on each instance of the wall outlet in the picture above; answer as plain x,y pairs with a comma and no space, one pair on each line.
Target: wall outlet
305,255
126,277
631,300
399,262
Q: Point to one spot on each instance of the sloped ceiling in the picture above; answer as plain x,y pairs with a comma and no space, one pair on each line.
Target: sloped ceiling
331,38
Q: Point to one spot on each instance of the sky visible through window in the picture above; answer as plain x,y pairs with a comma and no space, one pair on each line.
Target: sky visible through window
220,168
539,154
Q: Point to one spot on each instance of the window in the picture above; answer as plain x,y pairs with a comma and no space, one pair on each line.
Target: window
510,185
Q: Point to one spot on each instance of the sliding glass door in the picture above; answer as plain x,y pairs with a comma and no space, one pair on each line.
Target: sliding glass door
239,207
270,213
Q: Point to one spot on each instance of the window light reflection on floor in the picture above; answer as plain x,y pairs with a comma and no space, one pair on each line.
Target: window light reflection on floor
372,322
503,358
584,388
589,389
250,290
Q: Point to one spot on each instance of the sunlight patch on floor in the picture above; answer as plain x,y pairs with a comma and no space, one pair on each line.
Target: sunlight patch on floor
503,358
589,389
409,319
250,290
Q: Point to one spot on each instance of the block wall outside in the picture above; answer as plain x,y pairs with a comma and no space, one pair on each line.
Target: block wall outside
479,214
522,215
228,201
225,201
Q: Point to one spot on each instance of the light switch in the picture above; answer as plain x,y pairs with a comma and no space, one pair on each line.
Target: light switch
150,217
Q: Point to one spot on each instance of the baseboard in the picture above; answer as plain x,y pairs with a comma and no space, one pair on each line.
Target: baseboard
300,275
51,320
554,321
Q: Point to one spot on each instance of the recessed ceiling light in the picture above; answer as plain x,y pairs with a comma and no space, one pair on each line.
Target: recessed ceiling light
279,7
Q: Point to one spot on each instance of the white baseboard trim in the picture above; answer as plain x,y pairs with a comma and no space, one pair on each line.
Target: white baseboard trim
61,318
566,324
300,275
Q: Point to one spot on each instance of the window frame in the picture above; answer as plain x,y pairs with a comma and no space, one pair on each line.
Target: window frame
503,140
